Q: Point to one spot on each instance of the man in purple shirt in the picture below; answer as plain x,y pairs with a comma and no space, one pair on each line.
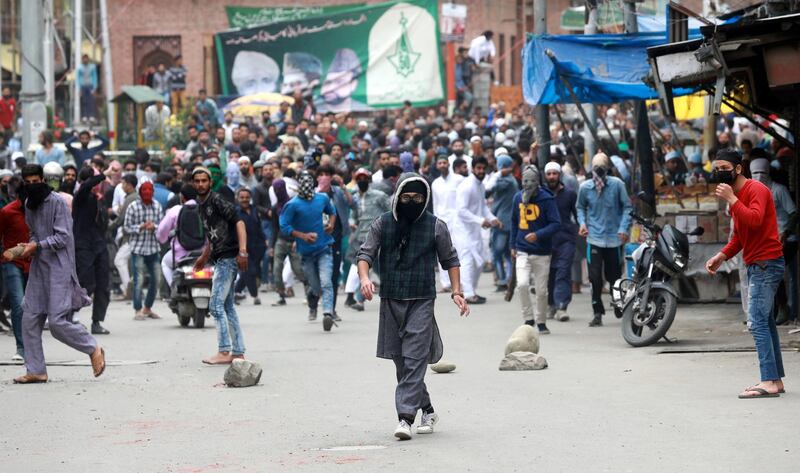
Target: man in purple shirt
53,292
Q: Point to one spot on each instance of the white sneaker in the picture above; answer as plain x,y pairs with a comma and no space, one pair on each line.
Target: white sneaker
562,316
17,357
403,431
427,422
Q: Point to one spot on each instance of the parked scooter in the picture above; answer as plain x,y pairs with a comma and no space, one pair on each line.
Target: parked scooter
191,291
648,302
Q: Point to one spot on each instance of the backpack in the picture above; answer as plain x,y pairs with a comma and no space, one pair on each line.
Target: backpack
190,231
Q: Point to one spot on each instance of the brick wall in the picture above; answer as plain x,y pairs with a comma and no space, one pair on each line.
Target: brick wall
195,21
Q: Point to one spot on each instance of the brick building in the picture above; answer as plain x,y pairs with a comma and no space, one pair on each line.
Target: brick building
152,31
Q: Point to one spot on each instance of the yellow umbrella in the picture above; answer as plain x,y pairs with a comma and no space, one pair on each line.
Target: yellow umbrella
254,105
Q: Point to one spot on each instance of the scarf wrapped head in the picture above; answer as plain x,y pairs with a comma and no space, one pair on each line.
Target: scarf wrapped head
279,186
530,183
146,192
407,214
306,181
600,166
216,177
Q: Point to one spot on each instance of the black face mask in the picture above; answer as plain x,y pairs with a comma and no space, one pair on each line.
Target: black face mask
36,193
722,177
363,185
410,211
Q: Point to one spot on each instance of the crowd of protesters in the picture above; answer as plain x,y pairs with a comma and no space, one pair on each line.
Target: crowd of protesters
287,199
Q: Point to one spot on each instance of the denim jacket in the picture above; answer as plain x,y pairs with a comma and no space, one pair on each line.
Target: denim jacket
605,214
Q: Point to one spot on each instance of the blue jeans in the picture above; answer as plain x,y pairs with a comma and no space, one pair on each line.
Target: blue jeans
221,305
763,284
14,280
318,269
559,288
501,254
149,262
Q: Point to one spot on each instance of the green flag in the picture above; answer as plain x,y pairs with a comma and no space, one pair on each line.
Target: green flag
376,56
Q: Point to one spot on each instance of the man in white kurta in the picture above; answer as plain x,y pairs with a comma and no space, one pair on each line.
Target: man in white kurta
443,189
472,215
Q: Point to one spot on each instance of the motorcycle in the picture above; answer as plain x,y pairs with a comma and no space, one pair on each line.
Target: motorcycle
191,291
647,303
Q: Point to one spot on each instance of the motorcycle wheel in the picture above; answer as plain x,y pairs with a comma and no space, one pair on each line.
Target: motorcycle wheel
662,305
200,318
184,321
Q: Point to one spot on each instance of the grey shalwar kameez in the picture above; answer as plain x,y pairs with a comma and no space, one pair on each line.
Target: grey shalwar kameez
53,292
407,331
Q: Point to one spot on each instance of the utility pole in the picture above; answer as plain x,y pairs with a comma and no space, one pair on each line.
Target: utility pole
542,112
644,145
31,97
47,51
77,47
590,28
108,76
710,124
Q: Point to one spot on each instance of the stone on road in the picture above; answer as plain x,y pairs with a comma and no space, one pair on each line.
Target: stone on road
524,338
522,361
242,373
443,367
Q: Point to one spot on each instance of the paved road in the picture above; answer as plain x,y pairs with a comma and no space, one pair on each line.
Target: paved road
326,403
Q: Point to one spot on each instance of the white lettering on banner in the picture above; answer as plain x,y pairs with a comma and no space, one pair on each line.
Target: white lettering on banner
295,31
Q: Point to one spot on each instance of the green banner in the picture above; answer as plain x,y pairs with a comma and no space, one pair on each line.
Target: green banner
376,56
246,17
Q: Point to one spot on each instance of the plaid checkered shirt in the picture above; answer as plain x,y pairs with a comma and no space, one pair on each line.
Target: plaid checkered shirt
143,242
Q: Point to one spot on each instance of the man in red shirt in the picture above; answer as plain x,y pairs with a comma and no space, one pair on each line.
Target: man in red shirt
14,230
8,110
755,232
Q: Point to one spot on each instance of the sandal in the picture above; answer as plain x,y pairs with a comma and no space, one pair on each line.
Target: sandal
761,393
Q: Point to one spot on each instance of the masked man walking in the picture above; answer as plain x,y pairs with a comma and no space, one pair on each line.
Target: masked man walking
408,241
559,286
53,292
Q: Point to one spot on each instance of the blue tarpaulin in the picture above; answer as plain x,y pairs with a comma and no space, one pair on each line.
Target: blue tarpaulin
603,68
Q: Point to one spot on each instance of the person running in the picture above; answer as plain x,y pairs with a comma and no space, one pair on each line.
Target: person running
408,242
53,292
755,232
227,249
283,246
604,216
559,286
302,219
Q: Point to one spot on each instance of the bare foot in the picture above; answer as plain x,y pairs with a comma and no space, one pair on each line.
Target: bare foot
31,379
221,358
98,361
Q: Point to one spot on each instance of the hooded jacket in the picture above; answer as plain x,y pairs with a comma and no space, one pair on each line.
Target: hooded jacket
540,216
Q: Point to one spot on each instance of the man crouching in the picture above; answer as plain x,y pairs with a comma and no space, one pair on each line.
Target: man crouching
409,240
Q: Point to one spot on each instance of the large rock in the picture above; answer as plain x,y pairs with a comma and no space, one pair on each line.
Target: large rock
523,361
524,338
243,373
443,367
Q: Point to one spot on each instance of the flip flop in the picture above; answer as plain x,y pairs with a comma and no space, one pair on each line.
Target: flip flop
781,391
761,393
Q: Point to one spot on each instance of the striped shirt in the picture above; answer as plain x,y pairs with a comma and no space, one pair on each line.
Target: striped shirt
143,242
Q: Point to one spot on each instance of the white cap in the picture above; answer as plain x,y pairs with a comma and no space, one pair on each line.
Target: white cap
243,159
499,137
552,166
500,151
475,139
362,123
